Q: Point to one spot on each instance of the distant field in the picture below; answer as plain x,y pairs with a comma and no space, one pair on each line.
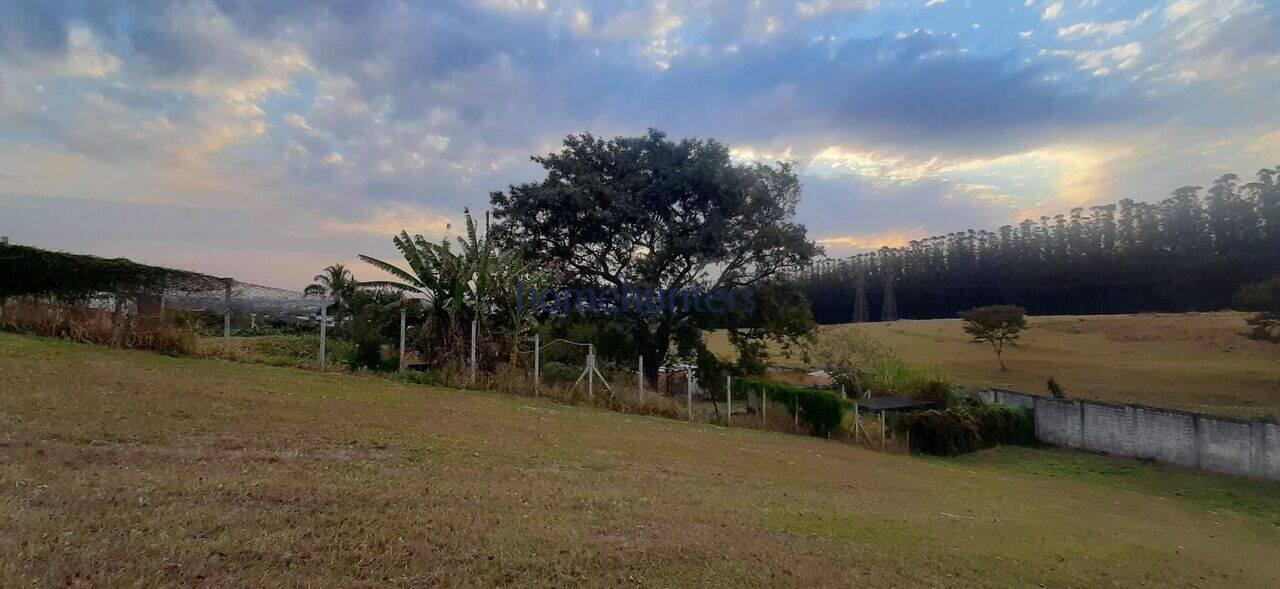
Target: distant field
1193,361
129,468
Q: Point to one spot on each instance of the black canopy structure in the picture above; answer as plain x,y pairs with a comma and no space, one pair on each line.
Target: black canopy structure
882,404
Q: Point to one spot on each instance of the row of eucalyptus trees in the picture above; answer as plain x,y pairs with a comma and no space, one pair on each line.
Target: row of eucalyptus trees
1188,252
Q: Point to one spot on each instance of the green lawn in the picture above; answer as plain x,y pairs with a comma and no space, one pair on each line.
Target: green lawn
129,468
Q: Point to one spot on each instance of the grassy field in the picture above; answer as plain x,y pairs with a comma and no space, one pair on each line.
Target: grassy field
129,468
1195,361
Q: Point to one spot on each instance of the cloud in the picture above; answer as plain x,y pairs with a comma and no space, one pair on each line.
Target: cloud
1102,62
1052,11
348,118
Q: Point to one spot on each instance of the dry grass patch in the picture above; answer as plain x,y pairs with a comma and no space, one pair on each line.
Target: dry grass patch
1193,361
128,468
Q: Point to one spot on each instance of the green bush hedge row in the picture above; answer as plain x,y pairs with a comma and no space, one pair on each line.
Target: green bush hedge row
821,410
959,430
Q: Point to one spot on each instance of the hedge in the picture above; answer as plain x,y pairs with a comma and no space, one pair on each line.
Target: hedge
960,430
37,272
821,410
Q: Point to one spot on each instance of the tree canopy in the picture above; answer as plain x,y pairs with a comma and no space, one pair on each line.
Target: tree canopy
1264,299
655,213
995,324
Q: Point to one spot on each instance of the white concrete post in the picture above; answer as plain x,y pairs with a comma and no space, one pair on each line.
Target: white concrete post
728,391
324,324
689,392
537,359
226,309
591,371
402,319
253,317
640,379
764,408
473,351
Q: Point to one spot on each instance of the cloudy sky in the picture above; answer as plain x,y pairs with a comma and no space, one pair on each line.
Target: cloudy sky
263,140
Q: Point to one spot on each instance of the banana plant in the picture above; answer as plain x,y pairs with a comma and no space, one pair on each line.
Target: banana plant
474,283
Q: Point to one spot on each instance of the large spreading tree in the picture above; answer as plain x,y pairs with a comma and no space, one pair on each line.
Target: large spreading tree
654,213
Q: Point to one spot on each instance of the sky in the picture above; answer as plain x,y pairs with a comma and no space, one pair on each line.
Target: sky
265,140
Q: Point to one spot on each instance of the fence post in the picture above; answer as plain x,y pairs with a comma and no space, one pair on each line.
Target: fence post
537,358
640,379
402,320
324,323
882,432
473,351
117,320
226,309
591,372
253,317
764,409
728,392
688,392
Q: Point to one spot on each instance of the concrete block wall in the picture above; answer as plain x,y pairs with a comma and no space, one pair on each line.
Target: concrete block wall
1219,444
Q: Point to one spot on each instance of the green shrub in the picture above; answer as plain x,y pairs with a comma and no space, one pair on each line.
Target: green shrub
964,429
366,353
821,410
949,432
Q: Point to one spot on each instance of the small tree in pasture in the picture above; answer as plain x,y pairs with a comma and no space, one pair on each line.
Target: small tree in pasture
1264,299
996,324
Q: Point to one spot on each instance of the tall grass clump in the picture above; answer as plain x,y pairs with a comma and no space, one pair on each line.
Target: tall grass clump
84,324
867,368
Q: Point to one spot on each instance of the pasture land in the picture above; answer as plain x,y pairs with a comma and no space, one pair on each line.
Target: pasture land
131,468
1192,361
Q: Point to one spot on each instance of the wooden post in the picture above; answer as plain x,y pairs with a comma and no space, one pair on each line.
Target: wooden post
537,358
640,379
324,324
402,320
728,392
117,320
473,351
857,422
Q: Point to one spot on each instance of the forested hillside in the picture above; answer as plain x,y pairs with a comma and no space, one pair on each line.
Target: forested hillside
1189,252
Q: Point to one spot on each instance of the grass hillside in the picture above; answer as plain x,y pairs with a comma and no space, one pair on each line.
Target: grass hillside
1193,361
129,468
